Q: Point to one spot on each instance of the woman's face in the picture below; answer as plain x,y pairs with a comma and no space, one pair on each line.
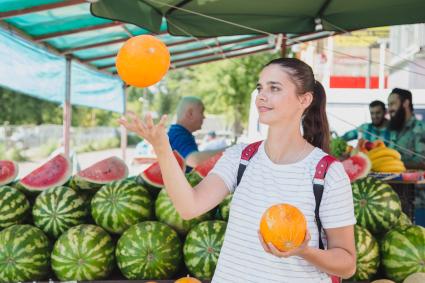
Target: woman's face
277,100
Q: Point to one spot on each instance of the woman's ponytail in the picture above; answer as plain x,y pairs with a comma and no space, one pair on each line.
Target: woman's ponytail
315,121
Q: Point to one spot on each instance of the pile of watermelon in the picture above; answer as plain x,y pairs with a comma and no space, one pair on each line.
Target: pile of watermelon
101,224
388,244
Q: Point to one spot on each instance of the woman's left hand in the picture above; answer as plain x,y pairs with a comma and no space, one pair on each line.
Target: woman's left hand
298,251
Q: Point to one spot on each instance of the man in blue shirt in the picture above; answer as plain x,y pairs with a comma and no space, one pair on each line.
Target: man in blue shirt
190,116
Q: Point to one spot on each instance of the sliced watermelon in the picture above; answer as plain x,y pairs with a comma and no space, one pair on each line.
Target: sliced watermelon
205,167
357,166
8,171
53,173
103,172
152,176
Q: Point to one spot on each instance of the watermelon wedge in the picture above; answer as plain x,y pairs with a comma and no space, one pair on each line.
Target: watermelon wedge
357,166
8,171
103,172
205,167
152,176
53,173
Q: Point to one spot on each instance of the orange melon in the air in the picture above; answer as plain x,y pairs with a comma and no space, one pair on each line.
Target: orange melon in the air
142,61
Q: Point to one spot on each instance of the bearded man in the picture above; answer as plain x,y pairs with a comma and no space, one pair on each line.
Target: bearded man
406,132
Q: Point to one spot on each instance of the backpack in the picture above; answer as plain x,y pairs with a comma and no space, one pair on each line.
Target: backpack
318,184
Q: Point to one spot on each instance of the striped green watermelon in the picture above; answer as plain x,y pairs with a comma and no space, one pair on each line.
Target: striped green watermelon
149,250
367,254
165,212
24,254
403,252
84,252
376,205
224,208
153,191
404,220
58,209
119,205
14,206
202,248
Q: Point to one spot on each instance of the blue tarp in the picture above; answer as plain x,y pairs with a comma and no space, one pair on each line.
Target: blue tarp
35,71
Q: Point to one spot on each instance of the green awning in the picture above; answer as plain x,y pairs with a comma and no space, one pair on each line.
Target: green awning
206,18
68,28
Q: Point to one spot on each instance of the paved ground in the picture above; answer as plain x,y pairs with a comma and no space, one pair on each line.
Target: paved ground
88,158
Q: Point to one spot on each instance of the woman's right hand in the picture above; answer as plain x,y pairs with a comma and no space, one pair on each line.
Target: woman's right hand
154,134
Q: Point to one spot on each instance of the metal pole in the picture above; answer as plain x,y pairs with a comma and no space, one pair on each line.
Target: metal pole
283,46
67,107
124,130
382,47
329,63
369,68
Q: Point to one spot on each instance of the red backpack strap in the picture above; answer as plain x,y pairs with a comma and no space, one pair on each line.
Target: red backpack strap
335,279
318,187
247,153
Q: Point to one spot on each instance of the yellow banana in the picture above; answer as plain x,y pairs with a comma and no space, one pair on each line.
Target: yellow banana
383,151
390,166
378,161
392,169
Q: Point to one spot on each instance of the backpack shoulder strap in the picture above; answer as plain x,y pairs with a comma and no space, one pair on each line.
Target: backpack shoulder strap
247,153
318,187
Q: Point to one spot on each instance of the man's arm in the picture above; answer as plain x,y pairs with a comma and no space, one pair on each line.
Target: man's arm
350,135
197,157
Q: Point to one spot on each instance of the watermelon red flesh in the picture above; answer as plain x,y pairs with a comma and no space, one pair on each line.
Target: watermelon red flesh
205,167
53,173
357,166
8,171
153,176
105,171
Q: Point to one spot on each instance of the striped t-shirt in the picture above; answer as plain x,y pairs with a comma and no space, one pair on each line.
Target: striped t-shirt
242,258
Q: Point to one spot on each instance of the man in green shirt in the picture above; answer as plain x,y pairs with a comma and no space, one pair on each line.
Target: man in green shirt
407,134
377,130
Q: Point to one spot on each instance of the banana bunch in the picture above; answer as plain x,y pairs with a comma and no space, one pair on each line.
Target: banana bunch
386,159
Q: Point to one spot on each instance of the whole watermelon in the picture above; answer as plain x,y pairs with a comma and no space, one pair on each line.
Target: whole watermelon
58,209
202,248
153,191
149,250
367,254
403,252
165,212
376,205
119,205
24,254
224,208
14,206
84,252
404,221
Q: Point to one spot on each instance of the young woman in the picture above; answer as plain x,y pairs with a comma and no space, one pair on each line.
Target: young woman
280,172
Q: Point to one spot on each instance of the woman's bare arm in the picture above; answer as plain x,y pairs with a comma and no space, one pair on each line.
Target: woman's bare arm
340,257
189,202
